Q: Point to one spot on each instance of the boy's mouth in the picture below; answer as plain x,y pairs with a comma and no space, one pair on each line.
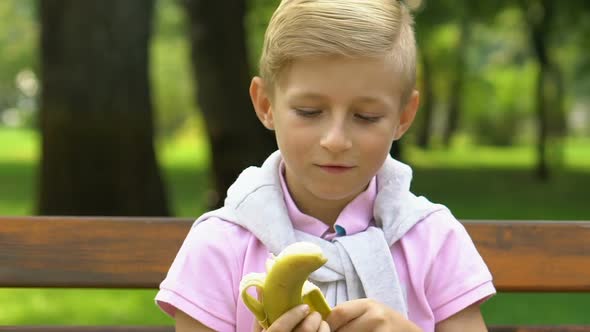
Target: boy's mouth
335,169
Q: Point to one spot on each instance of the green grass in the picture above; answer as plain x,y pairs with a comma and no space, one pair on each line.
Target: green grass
537,308
79,307
484,193
18,171
475,182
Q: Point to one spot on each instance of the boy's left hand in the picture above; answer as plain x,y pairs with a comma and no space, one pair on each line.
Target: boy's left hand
368,315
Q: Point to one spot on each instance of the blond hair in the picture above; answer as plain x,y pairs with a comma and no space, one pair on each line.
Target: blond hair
349,28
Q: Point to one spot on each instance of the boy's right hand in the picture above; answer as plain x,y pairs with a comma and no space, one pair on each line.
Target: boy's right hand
297,319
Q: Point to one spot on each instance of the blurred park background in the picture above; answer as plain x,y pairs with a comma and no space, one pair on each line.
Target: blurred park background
140,107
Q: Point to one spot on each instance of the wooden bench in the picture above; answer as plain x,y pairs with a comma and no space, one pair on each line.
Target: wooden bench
106,252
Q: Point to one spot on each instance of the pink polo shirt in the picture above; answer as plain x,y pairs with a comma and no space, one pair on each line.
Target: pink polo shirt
437,263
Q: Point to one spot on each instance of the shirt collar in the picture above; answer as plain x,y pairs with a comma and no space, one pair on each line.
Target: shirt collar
355,217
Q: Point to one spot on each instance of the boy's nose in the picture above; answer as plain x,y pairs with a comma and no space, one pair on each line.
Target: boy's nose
336,139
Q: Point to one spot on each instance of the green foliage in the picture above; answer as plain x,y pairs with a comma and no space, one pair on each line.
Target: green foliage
498,53
574,62
498,129
257,18
442,49
171,70
18,32
499,104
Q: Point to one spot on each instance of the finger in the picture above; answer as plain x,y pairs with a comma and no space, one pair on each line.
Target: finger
289,320
256,327
357,324
311,323
324,327
346,312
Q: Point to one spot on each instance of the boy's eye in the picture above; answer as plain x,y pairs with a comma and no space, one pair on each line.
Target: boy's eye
368,118
307,112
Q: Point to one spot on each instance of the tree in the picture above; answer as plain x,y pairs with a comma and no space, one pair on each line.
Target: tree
456,93
97,154
543,17
428,102
220,63
549,92
431,17
439,65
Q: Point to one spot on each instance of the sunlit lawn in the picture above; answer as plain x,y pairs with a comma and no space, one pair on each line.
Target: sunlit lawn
474,182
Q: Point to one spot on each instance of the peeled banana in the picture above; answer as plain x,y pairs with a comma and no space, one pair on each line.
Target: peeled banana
285,285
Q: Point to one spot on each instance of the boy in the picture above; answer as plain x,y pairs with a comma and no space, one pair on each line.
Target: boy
337,88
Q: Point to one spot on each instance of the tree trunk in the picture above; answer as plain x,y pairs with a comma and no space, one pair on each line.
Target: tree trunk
220,62
542,168
539,15
396,150
427,110
97,154
554,91
454,112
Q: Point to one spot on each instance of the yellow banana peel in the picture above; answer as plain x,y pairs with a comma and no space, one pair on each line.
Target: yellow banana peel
285,285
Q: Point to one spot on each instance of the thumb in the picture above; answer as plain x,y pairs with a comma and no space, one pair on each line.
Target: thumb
346,312
256,326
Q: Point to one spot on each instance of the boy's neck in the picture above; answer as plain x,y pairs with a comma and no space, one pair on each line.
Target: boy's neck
325,211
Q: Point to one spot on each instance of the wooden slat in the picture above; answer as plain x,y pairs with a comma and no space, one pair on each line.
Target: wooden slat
137,252
88,252
87,328
535,256
111,252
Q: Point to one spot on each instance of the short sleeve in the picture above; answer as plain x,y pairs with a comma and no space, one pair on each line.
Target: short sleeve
458,277
201,281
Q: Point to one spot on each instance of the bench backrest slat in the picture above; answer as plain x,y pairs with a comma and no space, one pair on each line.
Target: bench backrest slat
101,252
535,256
136,252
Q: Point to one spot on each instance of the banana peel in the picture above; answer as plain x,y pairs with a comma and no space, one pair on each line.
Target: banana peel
285,285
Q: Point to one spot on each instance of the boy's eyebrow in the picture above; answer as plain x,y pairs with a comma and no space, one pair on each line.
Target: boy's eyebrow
370,100
317,96
307,95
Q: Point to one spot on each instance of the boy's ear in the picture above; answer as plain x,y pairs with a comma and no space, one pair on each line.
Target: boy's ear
408,114
261,102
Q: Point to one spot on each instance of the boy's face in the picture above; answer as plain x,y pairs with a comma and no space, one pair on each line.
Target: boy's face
335,120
